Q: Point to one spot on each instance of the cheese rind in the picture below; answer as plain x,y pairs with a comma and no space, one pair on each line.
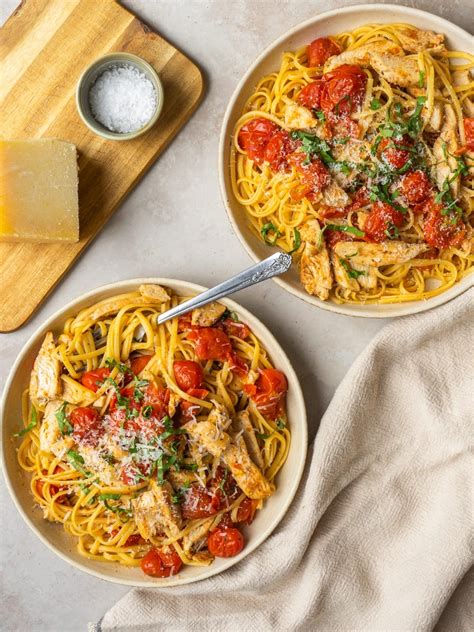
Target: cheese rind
38,191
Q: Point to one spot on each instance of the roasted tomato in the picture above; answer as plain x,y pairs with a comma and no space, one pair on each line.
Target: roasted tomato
254,136
246,511
87,425
469,134
271,388
343,90
313,176
94,379
332,211
396,152
320,50
225,542
332,237
199,502
138,363
416,188
160,563
382,222
310,95
211,343
188,374
277,149
236,328
360,199
440,231
224,486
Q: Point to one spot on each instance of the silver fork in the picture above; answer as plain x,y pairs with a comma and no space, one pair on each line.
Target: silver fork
276,264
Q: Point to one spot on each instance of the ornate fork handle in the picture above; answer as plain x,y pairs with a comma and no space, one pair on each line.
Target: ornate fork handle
276,264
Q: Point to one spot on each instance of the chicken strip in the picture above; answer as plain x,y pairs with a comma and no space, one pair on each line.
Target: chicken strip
315,267
298,117
211,434
416,41
45,380
363,54
341,274
334,195
444,146
383,254
208,315
51,438
247,475
196,535
154,293
244,425
401,71
154,511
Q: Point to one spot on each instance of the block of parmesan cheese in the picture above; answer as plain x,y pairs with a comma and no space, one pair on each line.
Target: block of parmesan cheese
38,191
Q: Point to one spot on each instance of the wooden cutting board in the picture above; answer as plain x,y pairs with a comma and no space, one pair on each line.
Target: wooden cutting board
44,47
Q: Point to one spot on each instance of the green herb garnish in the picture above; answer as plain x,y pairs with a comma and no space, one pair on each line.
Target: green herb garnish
345,229
353,274
267,228
280,424
77,462
392,231
296,241
64,425
312,145
375,104
320,115
421,78
110,496
31,425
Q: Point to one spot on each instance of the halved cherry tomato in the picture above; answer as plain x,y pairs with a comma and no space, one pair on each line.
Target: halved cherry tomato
188,374
333,211
314,175
159,563
343,89
199,502
439,231
277,149
332,237
382,217
225,542
320,50
310,95
94,379
238,365
360,199
188,409
394,152
211,343
271,389
254,136
246,511
87,425
138,363
469,134
415,187
185,323
224,486
236,328
133,473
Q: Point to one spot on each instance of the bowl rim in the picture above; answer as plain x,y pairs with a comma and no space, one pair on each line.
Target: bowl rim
177,285
363,310
119,56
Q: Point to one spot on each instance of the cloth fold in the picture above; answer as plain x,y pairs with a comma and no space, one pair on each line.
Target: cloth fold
379,536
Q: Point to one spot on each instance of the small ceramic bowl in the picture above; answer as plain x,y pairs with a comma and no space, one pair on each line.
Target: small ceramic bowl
89,76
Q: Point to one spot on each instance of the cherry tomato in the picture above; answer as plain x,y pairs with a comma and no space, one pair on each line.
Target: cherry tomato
133,474
158,563
87,425
225,542
394,152
271,389
138,363
313,175
53,489
185,323
380,221
188,374
238,365
332,237
469,133
254,136
333,211
188,409
246,511
236,328
211,343
361,199
199,502
320,50
310,95
277,149
94,379
438,230
134,540
415,187
224,486
343,90
158,399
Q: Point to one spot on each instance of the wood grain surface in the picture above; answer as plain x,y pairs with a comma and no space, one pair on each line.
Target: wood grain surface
44,47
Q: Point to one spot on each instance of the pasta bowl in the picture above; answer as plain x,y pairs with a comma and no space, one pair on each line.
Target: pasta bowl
331,22
64,545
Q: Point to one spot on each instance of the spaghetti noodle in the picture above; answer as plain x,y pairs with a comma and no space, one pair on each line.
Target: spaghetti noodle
153,444
366,137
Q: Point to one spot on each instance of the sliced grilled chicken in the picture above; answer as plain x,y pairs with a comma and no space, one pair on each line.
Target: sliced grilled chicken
211,434
243,424
368,280
71,392
247,475
45,380
385,253
95,463
416,41
298,117
401,71
436,118
342,275
207,315
51,439
154,511
315,267
196,535
334,195
363,54
181,479
154,293
444,146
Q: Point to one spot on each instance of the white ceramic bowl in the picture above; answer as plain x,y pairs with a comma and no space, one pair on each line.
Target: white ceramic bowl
54,536
331,22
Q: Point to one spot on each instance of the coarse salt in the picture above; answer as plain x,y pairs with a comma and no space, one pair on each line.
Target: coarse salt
122,99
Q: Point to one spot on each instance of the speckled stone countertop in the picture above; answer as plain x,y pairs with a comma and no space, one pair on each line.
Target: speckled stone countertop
180,197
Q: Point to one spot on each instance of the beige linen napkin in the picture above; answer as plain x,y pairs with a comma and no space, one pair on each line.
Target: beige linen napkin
379,536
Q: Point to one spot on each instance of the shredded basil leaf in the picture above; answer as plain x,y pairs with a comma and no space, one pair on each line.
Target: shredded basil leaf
65,427
421,80
76,460
375,104
354,274
320,115
345,229
392,231
281,425
31,425
266,228
296,241
110,496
